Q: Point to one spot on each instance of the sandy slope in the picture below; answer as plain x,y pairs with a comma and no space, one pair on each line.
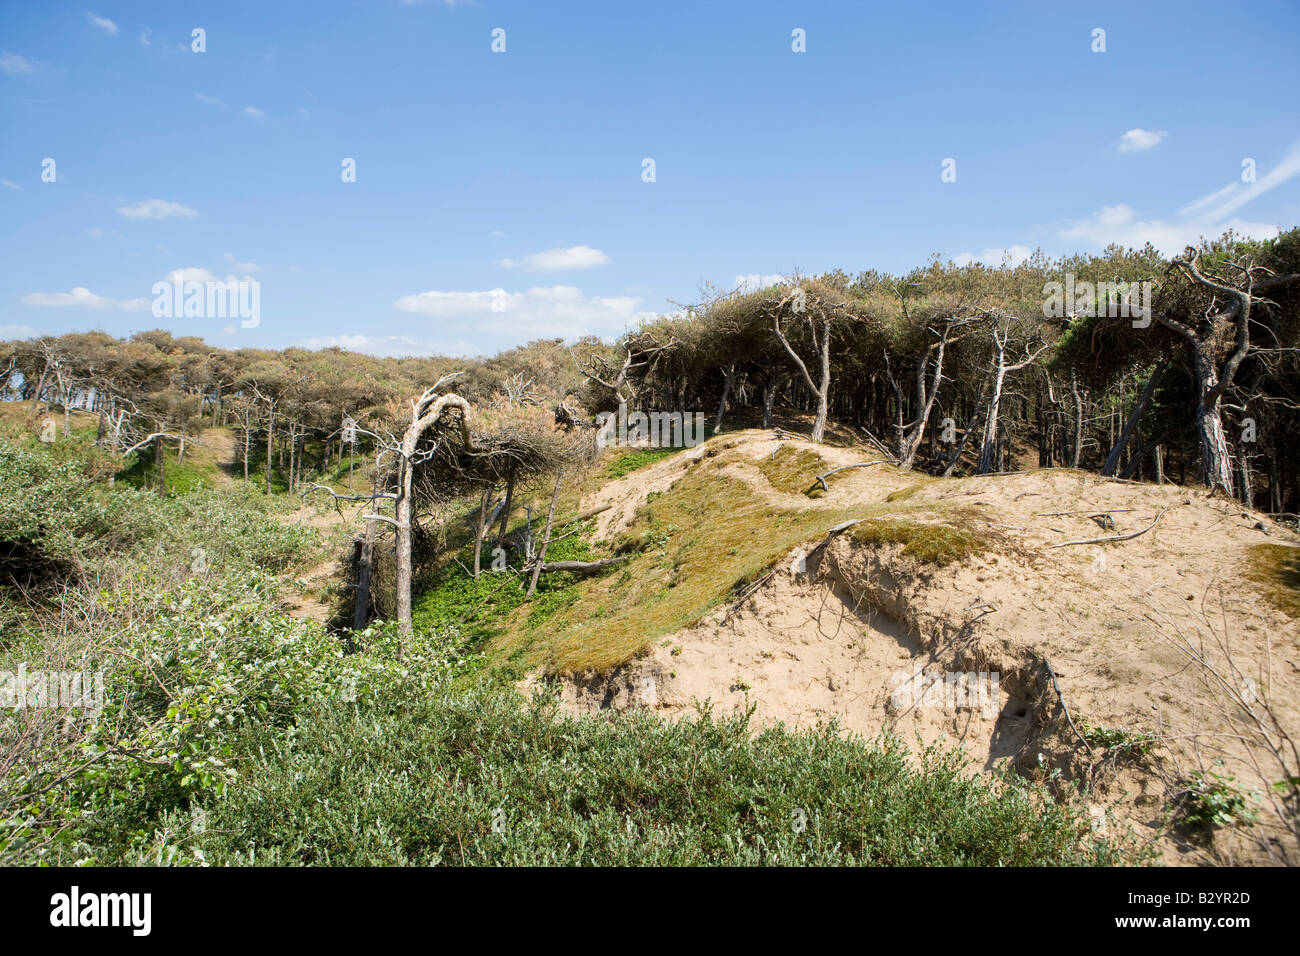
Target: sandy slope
1163,634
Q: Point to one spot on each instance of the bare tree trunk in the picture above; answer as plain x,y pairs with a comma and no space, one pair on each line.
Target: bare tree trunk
769,399
1077,451
726,393
1216,459
480,528
546,538
159,460
293,448
505,510
361,608
270,442
970,430
1126,435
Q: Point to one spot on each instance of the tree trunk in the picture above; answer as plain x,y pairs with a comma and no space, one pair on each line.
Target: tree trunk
1216,460
546,538
480,528
505,510
361,609
1077,451
270,442
1126,435
158,458
726,393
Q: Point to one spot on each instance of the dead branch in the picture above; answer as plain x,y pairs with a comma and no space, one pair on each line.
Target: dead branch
1118,537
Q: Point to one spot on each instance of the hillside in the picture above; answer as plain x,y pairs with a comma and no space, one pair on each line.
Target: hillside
1169,648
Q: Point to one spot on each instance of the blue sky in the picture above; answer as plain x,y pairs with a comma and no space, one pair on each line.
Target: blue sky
521,172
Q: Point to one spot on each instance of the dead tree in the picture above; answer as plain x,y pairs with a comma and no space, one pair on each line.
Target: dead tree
1000,370
1213,338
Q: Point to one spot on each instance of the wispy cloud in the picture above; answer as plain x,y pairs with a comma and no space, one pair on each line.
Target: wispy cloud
248,268
13,63
209,100
558,260
1138,140
145,35
81,297
391,346
254,112
9,184
105,24
753,281
1010,256
157,209
1207,217
549,311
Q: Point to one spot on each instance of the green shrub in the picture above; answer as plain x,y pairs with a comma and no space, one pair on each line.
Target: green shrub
480,777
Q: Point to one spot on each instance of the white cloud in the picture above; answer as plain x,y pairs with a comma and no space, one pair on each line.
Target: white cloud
1011,256
144,37
105,24
9,184
157,209
558,260
1208,217
541,312
81,297
209,100
17,332
190,274
248,268
753,281
390,346
1138,140
13,63
1233,196
1119,224
254,112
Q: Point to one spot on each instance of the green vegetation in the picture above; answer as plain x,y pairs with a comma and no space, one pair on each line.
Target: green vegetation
481,778
1121,743
691,548
794,471
625,461
929,542
1214,800
1275,568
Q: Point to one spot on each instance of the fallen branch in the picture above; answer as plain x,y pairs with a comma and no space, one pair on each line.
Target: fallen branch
1061,697
1118,537
864,464
583,567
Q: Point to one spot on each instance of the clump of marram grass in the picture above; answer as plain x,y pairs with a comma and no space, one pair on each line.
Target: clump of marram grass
795,471
1276,569
902,494
937,543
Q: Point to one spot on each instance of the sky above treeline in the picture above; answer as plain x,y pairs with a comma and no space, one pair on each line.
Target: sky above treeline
409,178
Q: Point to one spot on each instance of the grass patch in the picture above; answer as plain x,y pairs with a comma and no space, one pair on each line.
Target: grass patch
1276,569
628,460
691,546
794,471
937,543
902,494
